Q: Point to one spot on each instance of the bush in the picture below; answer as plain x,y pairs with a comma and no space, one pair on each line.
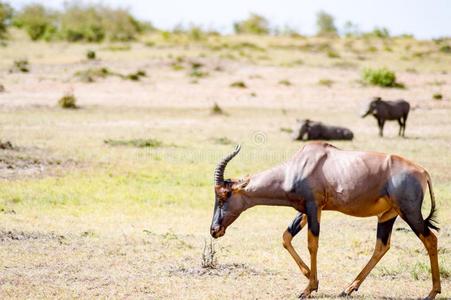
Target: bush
238,84
68,101
285,82
325,24
37,21
216,109
380,77
21,65
136,76
91,54
437,96
255,24
326,82
6,13
91,74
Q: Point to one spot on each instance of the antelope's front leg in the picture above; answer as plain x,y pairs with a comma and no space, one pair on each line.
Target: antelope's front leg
313,220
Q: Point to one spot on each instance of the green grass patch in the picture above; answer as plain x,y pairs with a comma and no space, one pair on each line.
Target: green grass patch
139,143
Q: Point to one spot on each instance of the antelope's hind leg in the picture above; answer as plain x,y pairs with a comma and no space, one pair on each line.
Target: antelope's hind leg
294,228
384,229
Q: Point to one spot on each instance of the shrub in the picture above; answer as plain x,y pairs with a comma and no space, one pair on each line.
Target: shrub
37,21
68,101
437,96
332,54
91,74
445,49
136,76
216,109
6,13
80,23
238,84
285,82
326,82
91,54
222,140
325,24
254,24
380,77
21,65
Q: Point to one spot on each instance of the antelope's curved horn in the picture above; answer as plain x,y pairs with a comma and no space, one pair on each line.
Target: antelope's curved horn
220,168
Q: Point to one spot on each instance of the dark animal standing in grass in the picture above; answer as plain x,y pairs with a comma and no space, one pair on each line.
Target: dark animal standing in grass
320,131
321,177
389,110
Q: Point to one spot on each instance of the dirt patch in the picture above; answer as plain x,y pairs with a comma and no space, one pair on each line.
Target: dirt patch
14,235
233,269
19,162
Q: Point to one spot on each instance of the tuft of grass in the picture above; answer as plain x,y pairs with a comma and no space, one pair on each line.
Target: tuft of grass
91,55
285,129
326,82
116,48
285,82
209,259
380,77
332,54
139,143
2,88
217,110
222,140
91,74
238,84
68,101
21,65
197,73
136,76
437,96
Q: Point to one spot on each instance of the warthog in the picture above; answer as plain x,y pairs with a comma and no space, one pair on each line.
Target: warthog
388,110
319,131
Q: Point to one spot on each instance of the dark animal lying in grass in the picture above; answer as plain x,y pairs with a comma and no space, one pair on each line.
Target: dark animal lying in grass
388,110
319,131
321,177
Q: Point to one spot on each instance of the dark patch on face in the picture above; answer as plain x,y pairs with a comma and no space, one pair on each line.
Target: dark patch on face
384,230
295,226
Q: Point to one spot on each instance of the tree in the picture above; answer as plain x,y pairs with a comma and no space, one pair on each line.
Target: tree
325,24
255,24
36,20
6,13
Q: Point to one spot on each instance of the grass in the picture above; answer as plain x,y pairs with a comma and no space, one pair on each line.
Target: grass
21,65
326,82
139,143
130,221
92,74
68,101
238,84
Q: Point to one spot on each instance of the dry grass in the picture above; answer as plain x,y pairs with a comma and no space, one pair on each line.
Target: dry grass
130,222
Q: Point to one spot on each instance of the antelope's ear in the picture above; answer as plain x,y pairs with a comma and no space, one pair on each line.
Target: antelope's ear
240,185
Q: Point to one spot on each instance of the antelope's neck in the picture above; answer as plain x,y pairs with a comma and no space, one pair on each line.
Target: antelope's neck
266,188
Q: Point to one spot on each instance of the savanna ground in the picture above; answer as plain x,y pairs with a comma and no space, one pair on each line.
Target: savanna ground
81,218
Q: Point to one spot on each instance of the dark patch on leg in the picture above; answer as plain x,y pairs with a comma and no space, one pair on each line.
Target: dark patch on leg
312,217
408,193
384,230
295,226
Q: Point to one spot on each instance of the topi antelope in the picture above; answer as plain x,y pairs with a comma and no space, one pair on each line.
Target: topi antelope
321,177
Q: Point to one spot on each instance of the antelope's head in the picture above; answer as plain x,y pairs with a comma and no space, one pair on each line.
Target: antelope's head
229,199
